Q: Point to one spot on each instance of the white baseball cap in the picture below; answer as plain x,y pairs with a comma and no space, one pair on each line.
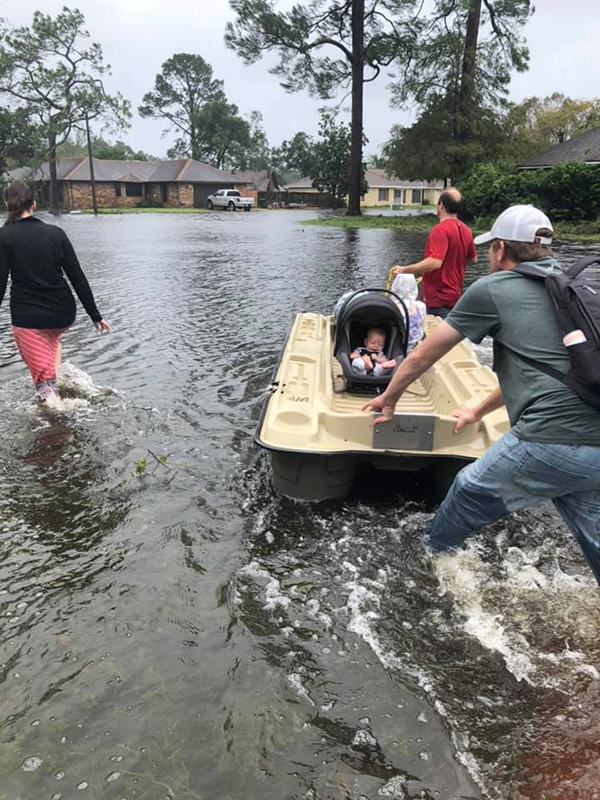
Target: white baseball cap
518,224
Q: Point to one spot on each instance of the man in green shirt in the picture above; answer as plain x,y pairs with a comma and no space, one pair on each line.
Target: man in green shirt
552,451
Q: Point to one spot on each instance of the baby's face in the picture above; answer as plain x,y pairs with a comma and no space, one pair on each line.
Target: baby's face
375,342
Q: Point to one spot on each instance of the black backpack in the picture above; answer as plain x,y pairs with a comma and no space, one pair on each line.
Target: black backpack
576,303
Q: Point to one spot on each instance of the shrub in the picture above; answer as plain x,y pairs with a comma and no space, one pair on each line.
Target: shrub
568,191
150,204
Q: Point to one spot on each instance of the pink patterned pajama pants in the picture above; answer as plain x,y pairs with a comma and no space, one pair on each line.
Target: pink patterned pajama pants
38,348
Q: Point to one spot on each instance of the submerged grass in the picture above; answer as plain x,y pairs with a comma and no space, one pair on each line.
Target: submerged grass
421,222
565,231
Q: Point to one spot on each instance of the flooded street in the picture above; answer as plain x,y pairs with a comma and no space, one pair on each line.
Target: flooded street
171,628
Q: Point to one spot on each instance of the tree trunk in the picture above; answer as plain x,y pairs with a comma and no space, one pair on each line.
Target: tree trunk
195,146
54,209
91,160
464,127
356,144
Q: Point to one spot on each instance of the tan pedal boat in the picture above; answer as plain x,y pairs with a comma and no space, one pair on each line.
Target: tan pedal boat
317,435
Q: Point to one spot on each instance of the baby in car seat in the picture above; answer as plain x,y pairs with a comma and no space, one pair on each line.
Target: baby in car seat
371,359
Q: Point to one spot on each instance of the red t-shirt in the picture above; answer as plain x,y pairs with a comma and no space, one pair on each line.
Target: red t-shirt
452,242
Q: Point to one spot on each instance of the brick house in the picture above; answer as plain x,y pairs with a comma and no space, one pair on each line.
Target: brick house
177,183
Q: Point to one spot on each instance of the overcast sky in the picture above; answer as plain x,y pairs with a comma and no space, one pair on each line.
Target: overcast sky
137,36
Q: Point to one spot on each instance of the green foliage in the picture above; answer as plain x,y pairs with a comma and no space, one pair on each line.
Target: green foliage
141,465
182,89
296,155
257,154
298,34
209,128
429,149
436,69
565,231
568,191
331,155
20,138
102,148
224,137
459,78
47,71
146,203
537,124
117,151
325,46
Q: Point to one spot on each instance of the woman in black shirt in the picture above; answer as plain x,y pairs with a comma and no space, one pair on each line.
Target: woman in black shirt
42,306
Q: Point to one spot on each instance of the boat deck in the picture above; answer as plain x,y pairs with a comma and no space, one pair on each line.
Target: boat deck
305,414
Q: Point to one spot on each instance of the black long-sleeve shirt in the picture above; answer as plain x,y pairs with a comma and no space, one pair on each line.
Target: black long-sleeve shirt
35,255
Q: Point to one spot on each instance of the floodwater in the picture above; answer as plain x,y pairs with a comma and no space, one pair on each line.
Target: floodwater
170,628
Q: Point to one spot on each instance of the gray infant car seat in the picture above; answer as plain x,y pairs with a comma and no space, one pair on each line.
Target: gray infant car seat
361,310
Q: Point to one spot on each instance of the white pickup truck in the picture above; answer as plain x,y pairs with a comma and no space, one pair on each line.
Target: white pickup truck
230,199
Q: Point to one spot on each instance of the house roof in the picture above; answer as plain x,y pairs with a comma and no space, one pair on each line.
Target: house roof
264,180
377,179
586,146
185,170
42,173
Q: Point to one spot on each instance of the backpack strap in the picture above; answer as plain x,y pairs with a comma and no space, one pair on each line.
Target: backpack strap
567,379
539,365
529,271
556,290
579,266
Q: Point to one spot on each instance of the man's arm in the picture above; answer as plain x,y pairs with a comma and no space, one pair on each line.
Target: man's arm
466,416
437,344
429,264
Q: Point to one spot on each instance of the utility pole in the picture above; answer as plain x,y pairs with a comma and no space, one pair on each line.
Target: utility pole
356,146
91,160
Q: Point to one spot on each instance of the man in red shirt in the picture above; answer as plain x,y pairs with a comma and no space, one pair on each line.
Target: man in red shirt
449,246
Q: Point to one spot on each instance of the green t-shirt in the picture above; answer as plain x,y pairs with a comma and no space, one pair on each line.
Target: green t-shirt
515,311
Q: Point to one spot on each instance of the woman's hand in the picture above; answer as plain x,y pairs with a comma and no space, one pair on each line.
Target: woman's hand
382,404
102,326
465,416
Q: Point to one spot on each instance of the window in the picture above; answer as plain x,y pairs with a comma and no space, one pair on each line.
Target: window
417,195
133,189
398,194
233,194
383,195
118,189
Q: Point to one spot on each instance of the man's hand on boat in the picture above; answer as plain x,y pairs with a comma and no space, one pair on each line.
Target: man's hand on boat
382,404
464,416
467,416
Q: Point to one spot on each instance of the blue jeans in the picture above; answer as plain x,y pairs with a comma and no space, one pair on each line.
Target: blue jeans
513,475
440,311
